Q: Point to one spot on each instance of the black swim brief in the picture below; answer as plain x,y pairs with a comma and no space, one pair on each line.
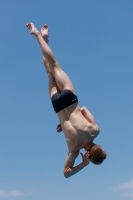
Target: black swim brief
62,100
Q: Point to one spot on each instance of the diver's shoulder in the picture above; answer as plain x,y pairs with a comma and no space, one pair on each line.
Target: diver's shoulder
96,128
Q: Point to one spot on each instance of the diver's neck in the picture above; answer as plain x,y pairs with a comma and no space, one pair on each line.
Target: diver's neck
88,146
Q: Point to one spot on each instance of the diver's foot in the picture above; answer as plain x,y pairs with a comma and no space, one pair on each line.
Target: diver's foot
44,32
33,29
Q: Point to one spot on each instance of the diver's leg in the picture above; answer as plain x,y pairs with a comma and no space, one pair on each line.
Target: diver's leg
52,86
46,65
60,76
44,32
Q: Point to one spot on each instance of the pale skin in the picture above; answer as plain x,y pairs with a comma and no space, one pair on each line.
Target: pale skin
78,124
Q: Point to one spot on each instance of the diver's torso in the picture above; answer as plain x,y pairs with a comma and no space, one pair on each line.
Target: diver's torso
77,130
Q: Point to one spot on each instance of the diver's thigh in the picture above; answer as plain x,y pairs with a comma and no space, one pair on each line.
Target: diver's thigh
53,88
63,81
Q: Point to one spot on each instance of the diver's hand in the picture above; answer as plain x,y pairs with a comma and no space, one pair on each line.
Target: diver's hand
85,157
59,128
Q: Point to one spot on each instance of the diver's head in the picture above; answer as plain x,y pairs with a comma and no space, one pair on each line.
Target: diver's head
97,154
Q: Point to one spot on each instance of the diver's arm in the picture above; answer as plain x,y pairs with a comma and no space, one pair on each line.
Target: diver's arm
69,170
59,128
87,114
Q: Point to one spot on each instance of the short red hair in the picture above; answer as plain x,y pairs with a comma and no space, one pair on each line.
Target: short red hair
97,155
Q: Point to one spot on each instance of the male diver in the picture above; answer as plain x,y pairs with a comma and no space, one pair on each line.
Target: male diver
78,124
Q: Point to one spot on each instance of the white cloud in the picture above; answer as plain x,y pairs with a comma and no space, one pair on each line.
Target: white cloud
15,193
126,188
2,193
10,193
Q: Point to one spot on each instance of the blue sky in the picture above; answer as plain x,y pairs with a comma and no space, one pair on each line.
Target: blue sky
93,42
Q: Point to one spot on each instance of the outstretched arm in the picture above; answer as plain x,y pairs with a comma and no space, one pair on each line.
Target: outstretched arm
87,114
69,170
